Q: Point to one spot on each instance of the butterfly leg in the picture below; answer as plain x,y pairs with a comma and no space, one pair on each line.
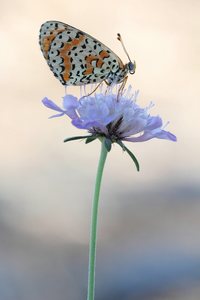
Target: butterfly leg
122,85
121,89
108,84
98,85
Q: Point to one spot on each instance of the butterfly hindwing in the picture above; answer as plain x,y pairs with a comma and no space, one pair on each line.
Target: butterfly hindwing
75,57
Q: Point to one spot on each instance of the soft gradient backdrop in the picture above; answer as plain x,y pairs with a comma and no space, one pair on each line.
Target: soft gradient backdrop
149,245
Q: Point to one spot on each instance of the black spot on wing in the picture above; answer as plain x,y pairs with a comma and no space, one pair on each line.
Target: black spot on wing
83,78
78,34
62,79
63,68
75,80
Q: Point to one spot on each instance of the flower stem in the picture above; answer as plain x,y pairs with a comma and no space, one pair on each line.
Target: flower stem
93,233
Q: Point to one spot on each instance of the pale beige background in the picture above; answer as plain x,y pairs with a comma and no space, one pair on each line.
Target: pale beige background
46,186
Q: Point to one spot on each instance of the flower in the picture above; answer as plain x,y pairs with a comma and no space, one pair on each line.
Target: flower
116,117
112,118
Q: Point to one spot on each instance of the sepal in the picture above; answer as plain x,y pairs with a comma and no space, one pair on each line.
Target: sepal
91,138
124,148
76,138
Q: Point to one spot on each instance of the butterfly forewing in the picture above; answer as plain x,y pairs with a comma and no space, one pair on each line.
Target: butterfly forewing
75,57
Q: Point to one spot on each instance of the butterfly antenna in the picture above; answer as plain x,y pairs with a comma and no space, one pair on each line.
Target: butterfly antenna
120,39
131,65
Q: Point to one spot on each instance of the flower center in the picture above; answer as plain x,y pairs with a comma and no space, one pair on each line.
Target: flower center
113,132
113,129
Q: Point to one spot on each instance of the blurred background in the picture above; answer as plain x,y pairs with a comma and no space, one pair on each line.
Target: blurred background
149,223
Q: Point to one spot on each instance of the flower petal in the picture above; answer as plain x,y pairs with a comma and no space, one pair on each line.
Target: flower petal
50,104
166,135
57,115
85,124
154,122
148,135
70,104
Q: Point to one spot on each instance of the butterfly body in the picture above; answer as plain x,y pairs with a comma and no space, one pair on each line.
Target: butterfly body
77,58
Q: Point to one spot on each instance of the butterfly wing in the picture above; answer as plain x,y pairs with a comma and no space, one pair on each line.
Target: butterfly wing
75,57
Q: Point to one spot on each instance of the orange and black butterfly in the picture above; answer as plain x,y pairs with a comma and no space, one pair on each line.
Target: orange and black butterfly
76,58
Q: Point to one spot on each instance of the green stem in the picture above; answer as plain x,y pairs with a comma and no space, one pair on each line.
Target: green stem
93,233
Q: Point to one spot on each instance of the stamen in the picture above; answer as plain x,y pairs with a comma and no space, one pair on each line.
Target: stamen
165,125
65,89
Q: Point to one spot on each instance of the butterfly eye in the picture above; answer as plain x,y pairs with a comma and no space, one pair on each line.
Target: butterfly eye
131,67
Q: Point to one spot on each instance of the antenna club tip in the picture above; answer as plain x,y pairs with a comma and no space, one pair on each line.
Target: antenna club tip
119,36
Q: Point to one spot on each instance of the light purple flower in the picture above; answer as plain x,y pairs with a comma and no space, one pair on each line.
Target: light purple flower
116,117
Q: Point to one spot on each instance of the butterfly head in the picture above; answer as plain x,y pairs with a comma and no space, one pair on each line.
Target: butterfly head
131,67
121,73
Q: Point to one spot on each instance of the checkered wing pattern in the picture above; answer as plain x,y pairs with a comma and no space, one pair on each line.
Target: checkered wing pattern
76,58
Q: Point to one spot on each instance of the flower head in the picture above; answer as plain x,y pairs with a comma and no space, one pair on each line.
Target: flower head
116,117
113,118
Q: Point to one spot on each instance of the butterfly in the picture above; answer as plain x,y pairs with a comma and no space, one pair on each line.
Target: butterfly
76,58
